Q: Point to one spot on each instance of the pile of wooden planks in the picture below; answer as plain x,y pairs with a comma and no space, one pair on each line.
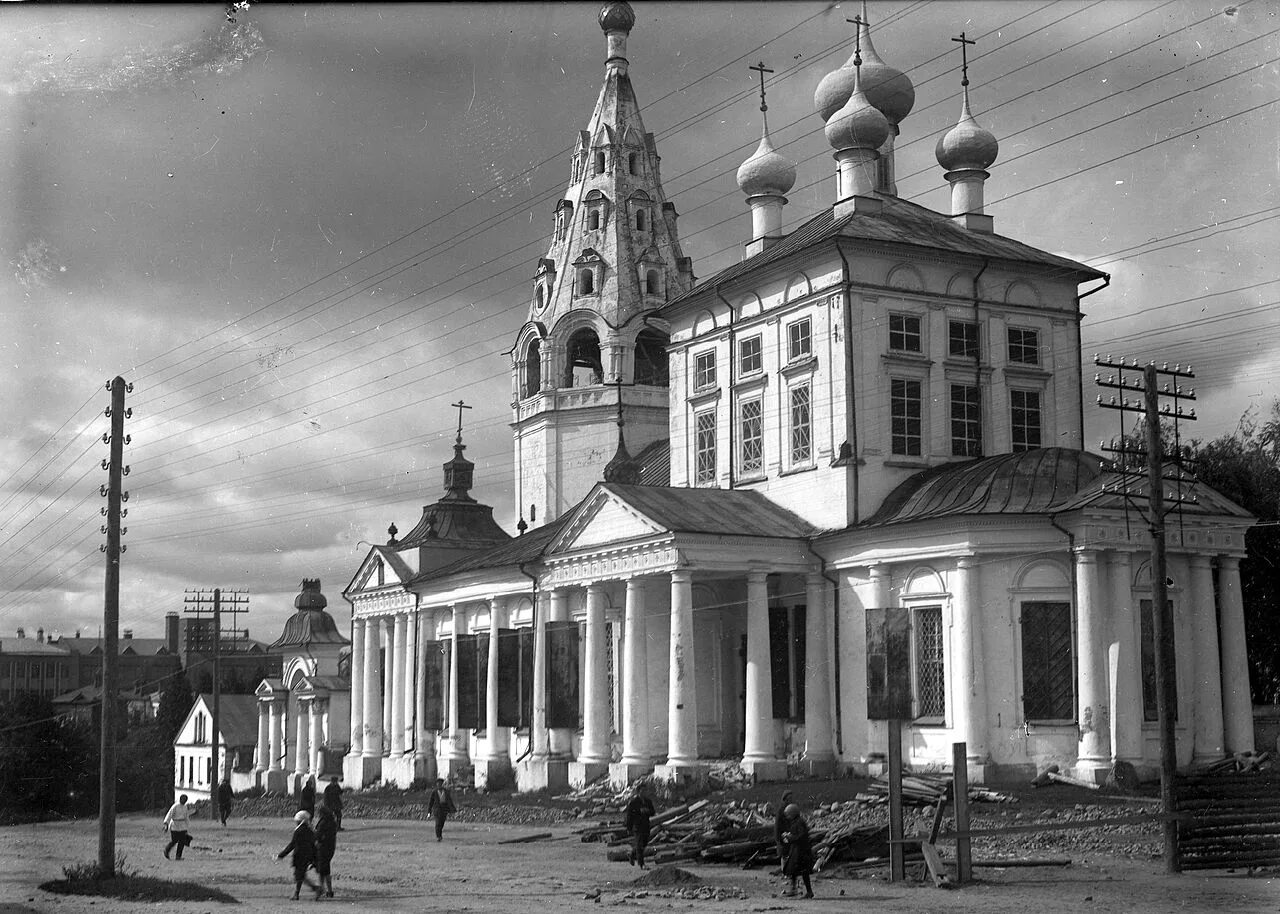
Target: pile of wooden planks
926,790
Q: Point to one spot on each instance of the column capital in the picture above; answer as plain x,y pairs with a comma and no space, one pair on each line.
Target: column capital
1229,562
681,575
756,575
1087,553
967,562
1198,560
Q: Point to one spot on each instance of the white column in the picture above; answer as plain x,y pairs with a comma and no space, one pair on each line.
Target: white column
396,679
1125,664
264,736
457,748
357,686
391,667
499,744
758,725
422,746
682,699
1095,716
1236,702
315,716
1207,701
538,730
595,699
276,756
561,738
301,754
819,741
372,743
966,721
880,596
408,682
635,684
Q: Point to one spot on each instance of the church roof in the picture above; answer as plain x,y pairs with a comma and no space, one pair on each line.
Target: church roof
899,222
654,461
455,523
311,624
719,512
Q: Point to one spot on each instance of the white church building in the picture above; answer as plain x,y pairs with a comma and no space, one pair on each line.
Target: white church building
718,478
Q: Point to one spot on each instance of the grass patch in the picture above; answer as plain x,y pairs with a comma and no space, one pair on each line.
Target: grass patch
127,885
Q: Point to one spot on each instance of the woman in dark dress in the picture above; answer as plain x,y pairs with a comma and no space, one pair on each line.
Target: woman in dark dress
303,847
799,862
636,817
326,843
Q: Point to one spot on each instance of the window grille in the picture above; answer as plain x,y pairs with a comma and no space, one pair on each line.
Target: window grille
799,340
750,355
752,463
966,421
906,417
611,674
1024,346
1024,419
904,332
704,370
930,680
801,426
1048,669
962,339
705,449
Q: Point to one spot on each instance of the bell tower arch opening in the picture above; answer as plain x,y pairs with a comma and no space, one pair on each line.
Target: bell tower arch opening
651,358
583,366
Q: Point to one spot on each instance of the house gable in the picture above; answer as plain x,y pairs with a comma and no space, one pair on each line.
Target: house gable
605,518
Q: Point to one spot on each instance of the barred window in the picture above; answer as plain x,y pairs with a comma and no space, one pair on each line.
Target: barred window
966,421
962,339
930,680
801,425
906,417
750,355
1024,346
752,462
705,448
1148,637
904,332
704,370
1048,677
1024,419
799,340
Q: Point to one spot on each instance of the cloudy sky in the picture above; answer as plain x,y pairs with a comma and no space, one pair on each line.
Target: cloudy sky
304,233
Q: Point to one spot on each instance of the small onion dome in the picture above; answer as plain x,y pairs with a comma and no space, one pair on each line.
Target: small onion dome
858,124
310,596
766,172
967,145
617,17
886,87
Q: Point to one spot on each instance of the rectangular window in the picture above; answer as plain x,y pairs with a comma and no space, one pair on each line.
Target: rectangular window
1048,678
799,340
962,339
704,370
705,448
750,355
966,421
1150,711
1024,419
930,679
906,416
751,427
1024,346
904,332
801,425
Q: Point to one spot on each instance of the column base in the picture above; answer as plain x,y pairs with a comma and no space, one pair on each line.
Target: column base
623,774
361,771
493,774
456,770
403,770
534,774
687,774
275,781
822,767
1091,770
979,771
769,769
583,773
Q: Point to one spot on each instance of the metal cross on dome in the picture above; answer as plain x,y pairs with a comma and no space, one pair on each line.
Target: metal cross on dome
762,70
857,39
459,406
964,57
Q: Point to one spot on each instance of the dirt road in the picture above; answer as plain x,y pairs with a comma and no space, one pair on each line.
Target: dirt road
397,866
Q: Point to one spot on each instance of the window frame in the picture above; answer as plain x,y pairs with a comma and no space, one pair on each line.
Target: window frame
1019,441
705,446
1021,347
799,346
894,418
901,333
961,347
1057,708
757,356
935,663
751,438
970,425
806,459
704,372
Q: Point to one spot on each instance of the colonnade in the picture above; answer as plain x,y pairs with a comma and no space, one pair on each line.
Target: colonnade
311,735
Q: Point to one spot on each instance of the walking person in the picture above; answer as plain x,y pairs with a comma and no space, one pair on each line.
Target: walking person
326,843
799,863
780,827
333,799
225,796
177,821
307,797
303,847
441,806
637,818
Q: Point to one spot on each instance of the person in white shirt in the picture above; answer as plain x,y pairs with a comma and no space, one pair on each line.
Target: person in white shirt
177,820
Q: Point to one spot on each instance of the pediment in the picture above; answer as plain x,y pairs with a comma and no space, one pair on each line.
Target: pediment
375,573
604,518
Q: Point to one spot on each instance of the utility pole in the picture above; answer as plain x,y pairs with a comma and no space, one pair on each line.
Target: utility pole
199,604
116,471
1161,616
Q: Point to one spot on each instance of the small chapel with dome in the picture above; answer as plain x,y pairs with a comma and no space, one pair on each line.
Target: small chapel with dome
721,481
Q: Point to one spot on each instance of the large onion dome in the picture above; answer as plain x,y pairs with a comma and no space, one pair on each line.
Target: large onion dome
888,89
967,145
858,123
617,17
766,172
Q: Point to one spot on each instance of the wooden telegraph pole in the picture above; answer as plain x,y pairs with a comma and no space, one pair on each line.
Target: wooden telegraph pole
215,602
116,471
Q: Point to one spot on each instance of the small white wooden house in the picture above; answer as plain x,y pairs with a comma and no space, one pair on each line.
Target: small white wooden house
236,739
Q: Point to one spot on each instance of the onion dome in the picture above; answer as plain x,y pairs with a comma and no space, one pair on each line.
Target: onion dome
617,17
858,123
311,624
967,145
766,172
887,88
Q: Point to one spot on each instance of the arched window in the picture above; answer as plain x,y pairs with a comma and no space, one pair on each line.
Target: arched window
651,359
539,299
584,366
593,219
651,283
599,163
587,282
533,366
640,220
631,163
